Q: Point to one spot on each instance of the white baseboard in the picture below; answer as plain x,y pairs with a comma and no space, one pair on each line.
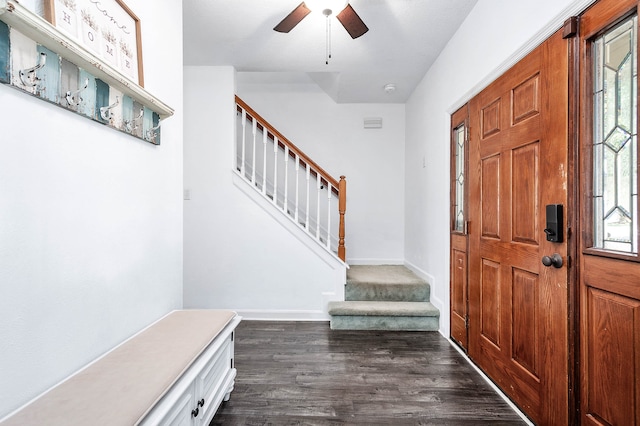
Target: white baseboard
281,315
365,261
435,300
419,272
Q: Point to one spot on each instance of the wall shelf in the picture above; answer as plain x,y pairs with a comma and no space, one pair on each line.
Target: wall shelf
42,32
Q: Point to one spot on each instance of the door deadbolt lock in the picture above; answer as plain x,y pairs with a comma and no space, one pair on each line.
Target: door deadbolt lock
554,260
554,223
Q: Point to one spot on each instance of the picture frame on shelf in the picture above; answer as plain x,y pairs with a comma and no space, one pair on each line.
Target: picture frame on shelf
107,28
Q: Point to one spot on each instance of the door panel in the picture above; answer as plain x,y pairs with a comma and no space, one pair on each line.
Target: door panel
525,100
490,302
525,194
459,296
518,163
609,283
490,199
490,120
613,327
525,320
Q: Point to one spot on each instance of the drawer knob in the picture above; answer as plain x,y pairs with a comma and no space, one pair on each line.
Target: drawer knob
201,403
194,413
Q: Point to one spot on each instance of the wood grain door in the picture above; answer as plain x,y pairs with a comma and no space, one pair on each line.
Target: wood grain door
458,226
609,283
518,164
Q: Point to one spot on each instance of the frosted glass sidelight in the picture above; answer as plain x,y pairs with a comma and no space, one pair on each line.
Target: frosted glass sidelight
459,137
615,152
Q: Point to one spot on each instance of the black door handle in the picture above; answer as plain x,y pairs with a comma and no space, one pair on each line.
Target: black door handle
555,260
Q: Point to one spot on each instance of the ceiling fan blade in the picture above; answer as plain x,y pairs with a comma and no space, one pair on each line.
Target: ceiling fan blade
293,19
352,22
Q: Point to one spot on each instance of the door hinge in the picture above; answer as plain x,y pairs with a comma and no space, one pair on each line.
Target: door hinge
466,227
466,322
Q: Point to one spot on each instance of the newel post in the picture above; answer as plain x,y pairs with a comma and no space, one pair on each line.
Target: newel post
342,207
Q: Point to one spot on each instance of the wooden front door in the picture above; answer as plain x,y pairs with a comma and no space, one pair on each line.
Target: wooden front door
609,260
518,308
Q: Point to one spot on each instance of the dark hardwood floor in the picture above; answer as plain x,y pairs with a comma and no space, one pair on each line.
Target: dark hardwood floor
303,373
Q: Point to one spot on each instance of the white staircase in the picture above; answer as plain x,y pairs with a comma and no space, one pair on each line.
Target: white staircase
290,180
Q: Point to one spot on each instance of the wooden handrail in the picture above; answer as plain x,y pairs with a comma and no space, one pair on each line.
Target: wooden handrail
304,158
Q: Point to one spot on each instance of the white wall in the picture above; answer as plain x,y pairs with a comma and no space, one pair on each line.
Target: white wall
236,255
494,31
333,136
90,224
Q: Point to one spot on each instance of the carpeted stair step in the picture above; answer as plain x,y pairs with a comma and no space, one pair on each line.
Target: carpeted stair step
385,283
383,315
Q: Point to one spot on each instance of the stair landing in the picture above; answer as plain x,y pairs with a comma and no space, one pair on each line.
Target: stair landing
384,297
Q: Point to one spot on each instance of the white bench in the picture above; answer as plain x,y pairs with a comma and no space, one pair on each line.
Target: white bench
176,371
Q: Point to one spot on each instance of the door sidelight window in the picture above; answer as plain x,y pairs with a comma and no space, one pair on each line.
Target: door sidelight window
459,138
615,152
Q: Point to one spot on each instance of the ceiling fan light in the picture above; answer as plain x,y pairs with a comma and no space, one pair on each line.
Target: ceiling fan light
336,6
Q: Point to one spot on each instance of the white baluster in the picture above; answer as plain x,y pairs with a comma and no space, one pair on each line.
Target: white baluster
244,137
306,223
264,161
286,179
236,143
253,158
329,216
319,183
275,170
297,185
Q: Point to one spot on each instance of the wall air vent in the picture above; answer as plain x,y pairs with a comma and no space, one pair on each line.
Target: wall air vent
373,123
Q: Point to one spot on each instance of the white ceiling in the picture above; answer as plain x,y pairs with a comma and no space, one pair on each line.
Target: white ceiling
404,38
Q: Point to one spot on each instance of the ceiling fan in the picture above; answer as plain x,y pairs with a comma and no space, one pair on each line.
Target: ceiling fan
347,17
